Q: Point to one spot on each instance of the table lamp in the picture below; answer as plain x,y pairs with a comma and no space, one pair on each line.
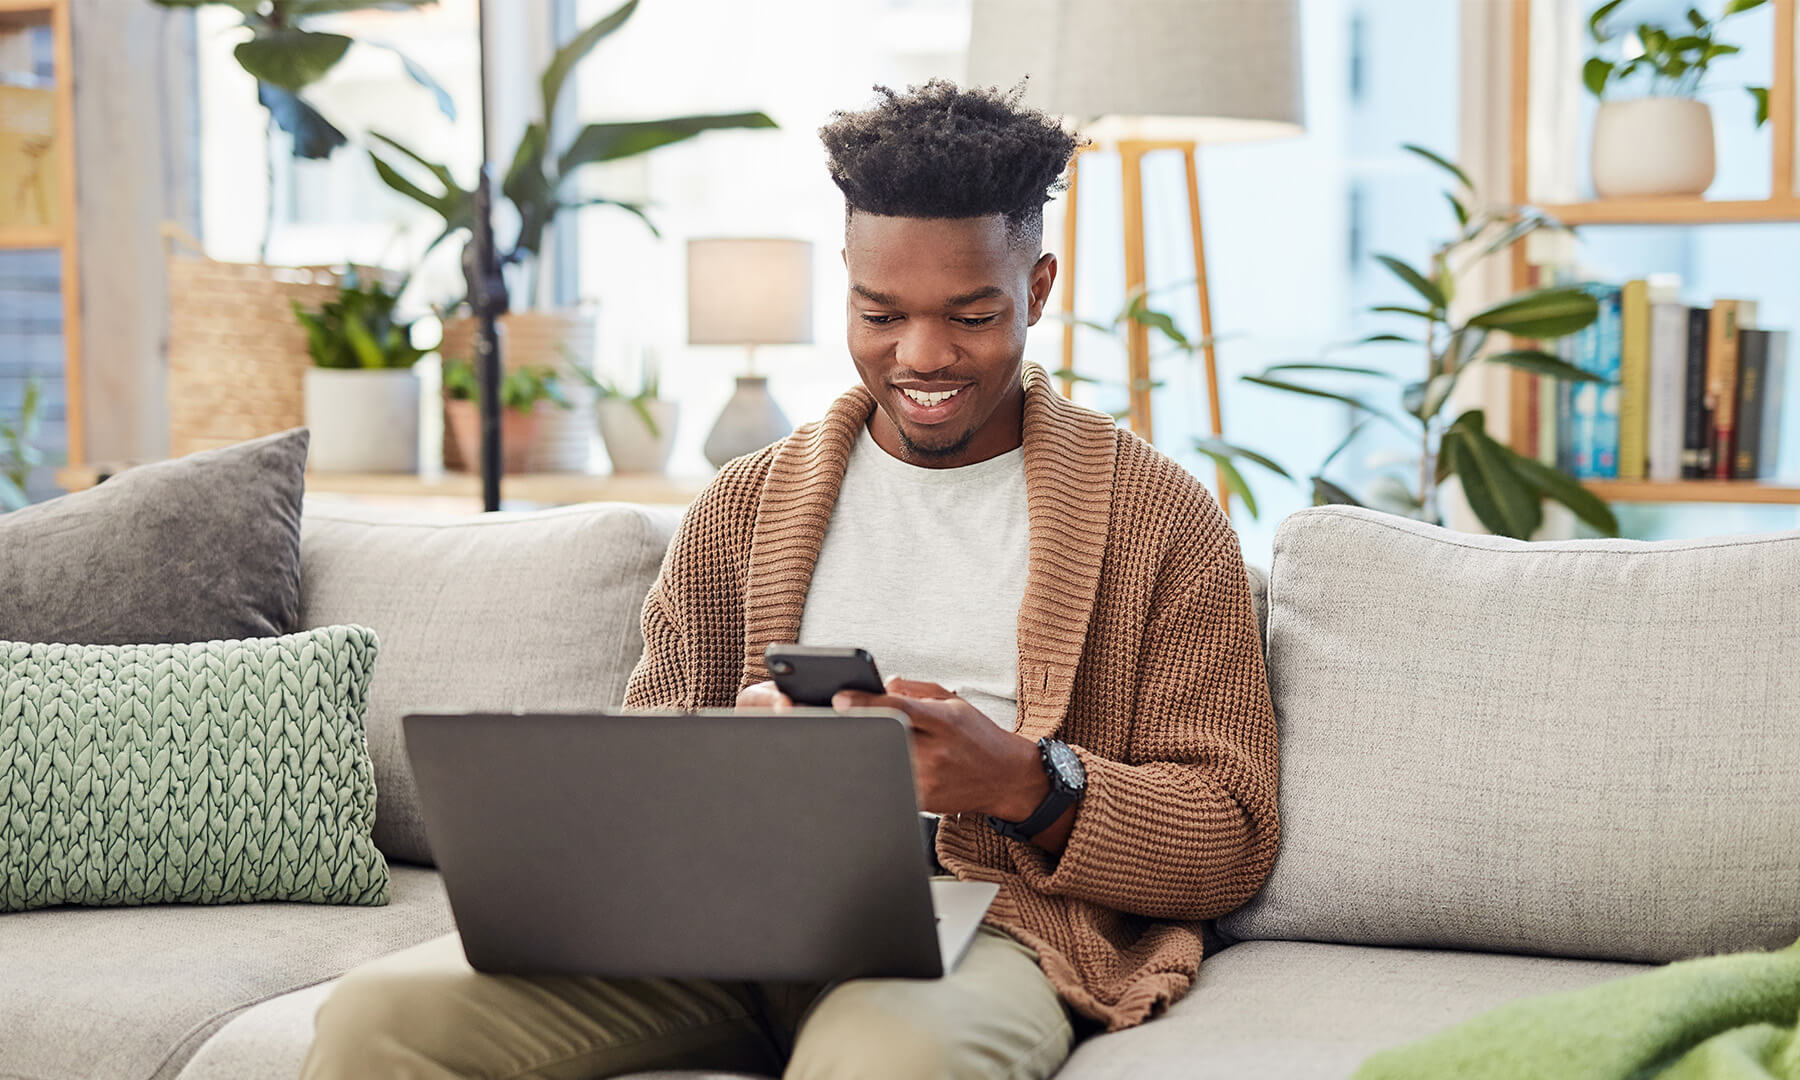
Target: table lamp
748,291
1139,76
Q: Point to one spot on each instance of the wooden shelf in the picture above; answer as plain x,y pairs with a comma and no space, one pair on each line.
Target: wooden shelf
1676,211
551,489
37,236
1694,491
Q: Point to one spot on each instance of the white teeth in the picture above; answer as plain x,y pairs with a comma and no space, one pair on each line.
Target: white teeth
929,399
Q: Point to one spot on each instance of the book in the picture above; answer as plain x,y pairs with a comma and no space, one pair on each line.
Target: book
1729,316
1696,420
1547,386
1582,401
1605,432
1668,390
1753,359
1634,379
1774,396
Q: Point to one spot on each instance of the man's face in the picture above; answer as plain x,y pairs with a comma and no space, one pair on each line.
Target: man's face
937,314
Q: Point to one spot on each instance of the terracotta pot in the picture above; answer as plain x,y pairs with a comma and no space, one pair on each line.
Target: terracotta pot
518,434
556,339
1652,146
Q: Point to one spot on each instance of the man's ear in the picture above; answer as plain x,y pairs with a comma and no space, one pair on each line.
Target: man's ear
1043,276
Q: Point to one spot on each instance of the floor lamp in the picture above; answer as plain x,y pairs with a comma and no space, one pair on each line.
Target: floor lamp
1141,76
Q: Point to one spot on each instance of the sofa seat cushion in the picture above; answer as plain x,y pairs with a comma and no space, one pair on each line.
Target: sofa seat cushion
511,611
132,993
1580,748
1307,1011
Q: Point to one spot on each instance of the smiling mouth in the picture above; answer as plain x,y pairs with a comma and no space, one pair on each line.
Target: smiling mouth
925,398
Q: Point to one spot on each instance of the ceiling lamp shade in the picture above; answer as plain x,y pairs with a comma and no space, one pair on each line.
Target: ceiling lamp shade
749,291
1206,71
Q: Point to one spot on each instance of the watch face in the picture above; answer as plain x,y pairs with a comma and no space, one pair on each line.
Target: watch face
1068,766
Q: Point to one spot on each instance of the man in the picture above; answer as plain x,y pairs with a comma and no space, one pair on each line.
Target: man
1069,609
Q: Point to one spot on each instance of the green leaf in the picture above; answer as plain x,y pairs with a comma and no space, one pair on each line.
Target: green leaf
1543,363
1457,208
1159,321
315,138
1313,391
1424,399
401,184
1598,17
529,189
1761,95
1516,232
1505,505
1736,6
1419,282
1342,369
1553,484
1695,19
12,495
442,172
634,209
1344,443
291,59
445,103
1374,338
610,142
1073,376
1440,162
1391,309
571,54
1546,313
1326,493
1235,482
1594,74
1219,448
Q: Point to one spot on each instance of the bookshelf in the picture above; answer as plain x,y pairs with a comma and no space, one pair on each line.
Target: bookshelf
1782,205
54,228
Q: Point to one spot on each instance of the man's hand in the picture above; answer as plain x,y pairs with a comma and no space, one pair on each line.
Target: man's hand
763,697
963,762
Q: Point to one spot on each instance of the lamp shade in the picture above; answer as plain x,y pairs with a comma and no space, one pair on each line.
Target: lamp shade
1201,70
749,291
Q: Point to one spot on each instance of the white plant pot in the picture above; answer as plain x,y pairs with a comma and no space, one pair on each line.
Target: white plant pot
363,421
631,445
1653,146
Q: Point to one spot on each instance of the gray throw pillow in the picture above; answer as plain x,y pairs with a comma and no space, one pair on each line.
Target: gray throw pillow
201,548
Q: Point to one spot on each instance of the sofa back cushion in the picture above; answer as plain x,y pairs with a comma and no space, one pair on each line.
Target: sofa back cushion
1581,748
509,611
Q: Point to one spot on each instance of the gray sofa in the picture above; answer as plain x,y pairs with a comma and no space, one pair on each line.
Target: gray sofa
1507,770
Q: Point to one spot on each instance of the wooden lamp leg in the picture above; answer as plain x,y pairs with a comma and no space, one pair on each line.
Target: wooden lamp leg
1071,217
1206,326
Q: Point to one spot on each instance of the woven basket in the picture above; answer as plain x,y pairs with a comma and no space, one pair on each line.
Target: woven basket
237,355
558,339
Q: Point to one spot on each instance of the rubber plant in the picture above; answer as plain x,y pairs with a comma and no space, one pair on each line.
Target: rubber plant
285,58
538,180
1676,59
1505,489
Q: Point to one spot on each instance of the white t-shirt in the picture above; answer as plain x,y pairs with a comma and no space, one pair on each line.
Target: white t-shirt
925,568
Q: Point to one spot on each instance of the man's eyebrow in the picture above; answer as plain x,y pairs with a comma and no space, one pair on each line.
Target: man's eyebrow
877,297
986,292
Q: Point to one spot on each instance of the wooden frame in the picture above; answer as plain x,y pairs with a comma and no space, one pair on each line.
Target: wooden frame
1131,157
64,235
1782,205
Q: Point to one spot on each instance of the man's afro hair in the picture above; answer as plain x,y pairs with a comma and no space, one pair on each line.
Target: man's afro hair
943,151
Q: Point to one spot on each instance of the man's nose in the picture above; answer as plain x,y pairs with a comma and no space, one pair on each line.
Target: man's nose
925,348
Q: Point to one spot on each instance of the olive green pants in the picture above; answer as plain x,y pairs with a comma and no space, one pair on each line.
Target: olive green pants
425,1014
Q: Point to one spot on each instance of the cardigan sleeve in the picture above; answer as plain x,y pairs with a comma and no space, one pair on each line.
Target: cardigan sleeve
1188,828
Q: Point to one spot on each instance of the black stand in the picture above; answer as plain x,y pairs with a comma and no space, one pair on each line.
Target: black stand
487,298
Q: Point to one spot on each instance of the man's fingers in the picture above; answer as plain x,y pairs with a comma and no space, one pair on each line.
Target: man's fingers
916,688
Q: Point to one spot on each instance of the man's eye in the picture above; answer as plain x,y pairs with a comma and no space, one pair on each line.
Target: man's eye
878,320
977,320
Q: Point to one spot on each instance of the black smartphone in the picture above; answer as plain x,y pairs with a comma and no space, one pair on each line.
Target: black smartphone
810,674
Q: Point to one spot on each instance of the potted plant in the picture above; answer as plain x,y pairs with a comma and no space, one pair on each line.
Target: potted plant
539,184
1504,489
638,429
362,395
523,393
19,454
1660,143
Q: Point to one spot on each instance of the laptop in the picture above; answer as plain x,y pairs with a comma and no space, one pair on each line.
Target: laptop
717,845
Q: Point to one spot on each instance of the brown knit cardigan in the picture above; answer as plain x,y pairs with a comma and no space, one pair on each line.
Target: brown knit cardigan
1137,646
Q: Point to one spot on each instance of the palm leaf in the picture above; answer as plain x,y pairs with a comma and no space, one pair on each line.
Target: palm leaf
610,142
1440,162
572,53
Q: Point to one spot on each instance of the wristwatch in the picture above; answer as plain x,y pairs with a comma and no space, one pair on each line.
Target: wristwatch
1068,783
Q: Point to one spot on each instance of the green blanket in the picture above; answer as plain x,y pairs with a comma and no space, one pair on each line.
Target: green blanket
1717,1018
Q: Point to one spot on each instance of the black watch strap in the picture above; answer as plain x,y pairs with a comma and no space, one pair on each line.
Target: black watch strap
1059,799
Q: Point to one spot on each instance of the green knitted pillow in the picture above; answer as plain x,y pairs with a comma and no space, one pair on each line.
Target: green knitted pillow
218,772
